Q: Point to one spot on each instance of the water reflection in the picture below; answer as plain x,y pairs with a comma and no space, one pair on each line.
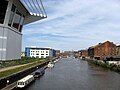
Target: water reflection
74,74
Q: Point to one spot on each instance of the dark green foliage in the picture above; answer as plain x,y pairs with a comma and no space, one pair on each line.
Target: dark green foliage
105,65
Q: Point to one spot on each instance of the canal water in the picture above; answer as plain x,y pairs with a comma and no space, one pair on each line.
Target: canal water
75,74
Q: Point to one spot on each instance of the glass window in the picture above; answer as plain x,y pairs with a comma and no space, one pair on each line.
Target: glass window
3,7
37,54
17,19
12,15
21,23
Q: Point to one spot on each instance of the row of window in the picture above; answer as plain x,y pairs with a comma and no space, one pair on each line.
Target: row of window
40,51
40,57
105,48
16,19
38,54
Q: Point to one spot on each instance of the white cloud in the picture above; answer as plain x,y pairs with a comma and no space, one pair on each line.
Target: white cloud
75,24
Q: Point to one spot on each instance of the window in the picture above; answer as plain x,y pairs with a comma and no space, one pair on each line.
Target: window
20,83
3,8
42,57
11,15
37,54
17,19
21,23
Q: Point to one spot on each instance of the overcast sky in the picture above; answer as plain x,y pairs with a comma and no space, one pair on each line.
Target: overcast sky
75,24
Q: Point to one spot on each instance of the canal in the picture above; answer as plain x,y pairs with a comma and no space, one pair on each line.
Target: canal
75,74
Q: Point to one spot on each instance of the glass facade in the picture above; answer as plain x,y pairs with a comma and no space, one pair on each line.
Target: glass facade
16,19
3,7
12,15
21,23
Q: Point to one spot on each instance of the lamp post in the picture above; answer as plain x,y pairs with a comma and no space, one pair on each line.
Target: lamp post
8,82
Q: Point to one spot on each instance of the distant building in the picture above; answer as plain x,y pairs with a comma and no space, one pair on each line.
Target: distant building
76,54
22,54
102,50
83,53
118,50
57,53
65,55
39,52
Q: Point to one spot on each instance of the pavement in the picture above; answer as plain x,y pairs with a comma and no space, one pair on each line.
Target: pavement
11,67
10,87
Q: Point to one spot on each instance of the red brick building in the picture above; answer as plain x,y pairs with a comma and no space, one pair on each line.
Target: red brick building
76,54
102,50
83,53
118,50
65,55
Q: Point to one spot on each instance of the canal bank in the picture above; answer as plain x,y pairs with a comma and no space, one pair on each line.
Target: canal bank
14,77
111,67
75,74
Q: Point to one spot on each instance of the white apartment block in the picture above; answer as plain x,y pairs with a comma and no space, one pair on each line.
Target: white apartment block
38,52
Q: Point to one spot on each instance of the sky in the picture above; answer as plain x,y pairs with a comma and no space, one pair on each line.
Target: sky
74,25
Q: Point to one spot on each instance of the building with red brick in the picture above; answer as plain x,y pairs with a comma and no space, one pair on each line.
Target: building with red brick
102,50
76,54
83,53
65,55
118,50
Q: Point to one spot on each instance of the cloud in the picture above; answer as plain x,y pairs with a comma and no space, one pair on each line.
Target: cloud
75,24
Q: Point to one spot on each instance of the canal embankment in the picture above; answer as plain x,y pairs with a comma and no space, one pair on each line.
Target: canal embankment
19,72
100,63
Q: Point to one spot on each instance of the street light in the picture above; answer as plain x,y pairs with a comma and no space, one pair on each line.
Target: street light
8,82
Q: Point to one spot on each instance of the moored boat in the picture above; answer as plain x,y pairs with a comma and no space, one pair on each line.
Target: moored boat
50,64
39,73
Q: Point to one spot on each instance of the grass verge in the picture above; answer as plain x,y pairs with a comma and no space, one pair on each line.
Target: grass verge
24,60
12,71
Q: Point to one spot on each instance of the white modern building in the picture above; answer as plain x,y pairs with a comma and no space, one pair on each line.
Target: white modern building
13,15
39,52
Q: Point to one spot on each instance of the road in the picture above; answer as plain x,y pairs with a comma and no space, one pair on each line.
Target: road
75,74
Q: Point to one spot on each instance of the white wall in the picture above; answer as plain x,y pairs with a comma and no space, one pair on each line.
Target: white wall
10,44
113,62
36,51
13,45
3,41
